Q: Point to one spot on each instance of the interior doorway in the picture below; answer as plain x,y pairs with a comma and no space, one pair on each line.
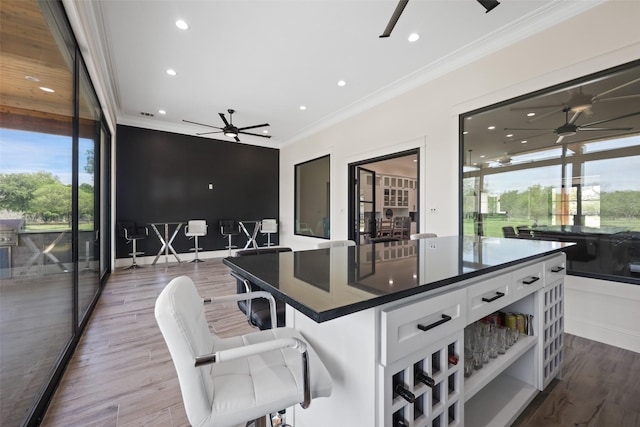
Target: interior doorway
384,197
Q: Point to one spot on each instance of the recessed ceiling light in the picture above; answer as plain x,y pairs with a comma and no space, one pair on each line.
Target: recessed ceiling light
413,37
46,89
509,135
32,79
342,83
162,112
182,24
491,127
171,72
531,114
523,141
265,131
482,156
302,107
465,132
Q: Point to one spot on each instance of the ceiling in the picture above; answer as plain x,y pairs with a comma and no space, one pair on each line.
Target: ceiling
529,126
265,59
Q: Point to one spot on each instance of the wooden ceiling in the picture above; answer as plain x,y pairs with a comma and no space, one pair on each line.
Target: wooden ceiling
30,58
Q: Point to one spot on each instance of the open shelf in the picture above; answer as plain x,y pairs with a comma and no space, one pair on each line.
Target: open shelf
500,402
495,367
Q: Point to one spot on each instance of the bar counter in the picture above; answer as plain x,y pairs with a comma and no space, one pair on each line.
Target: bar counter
327,283
377,314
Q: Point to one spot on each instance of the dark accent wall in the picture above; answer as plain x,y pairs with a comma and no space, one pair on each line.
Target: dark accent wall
164,177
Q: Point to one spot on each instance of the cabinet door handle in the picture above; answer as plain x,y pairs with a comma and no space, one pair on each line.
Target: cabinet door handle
531,280
444,319
557,269
498,295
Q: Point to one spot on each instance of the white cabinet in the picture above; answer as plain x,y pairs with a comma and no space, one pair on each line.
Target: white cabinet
410,327
378,355
488,296
418,336
398,192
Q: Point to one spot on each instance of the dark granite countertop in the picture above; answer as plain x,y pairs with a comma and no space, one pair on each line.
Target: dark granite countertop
328,283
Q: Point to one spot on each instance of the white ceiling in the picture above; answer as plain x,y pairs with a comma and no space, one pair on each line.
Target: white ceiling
267,58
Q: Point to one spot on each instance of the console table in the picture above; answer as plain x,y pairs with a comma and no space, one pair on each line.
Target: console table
377,314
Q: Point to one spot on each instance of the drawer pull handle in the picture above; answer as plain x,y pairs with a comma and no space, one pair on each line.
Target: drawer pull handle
557,269
531,280
498,295
444,319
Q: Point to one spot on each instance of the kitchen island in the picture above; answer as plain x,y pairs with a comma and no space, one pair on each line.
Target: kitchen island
378,314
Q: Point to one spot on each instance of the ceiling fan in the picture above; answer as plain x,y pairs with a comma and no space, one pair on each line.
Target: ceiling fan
229,129
581,102
489,5
570,128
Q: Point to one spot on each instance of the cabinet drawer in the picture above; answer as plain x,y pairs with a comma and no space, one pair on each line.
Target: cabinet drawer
554,269
527,280
490,295
410,327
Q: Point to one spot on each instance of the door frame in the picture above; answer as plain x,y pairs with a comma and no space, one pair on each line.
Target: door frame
352,219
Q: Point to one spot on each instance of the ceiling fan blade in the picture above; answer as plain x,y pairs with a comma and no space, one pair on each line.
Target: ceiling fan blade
597,97
201,124
236,138
610,120
255,126
254,134
548,130
559,140
542,116
601,129
575,117
224,119
394,18
619,98
208,133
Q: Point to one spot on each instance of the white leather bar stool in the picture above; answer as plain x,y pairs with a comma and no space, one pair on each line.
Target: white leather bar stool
230,381
268,227
196,228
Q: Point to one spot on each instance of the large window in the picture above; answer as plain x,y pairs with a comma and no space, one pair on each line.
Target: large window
51,143
561,164
312,192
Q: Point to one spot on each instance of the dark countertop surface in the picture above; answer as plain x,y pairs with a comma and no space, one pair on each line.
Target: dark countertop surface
328,283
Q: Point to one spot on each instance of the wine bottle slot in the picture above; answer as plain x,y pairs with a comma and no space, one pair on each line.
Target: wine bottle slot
403,392
425,379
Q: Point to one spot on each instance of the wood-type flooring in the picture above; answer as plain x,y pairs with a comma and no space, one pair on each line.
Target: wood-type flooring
122,375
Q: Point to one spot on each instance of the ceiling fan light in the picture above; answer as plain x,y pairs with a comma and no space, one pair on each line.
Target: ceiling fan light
581,108
489,5
230,133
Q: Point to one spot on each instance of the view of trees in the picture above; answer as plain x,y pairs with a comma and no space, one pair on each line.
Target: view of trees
534,203
40,196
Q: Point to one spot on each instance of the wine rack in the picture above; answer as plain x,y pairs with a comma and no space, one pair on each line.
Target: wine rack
430,386
553,328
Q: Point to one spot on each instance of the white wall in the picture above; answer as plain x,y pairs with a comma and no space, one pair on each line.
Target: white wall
427,117
603,311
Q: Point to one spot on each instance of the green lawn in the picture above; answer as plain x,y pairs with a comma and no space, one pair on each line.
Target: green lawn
493,226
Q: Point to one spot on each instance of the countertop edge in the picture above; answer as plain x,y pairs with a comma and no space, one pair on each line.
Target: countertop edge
334,313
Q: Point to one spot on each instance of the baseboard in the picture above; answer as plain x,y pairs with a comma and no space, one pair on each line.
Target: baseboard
623,338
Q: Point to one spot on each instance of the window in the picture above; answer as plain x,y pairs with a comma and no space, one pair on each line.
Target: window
312,194
561,164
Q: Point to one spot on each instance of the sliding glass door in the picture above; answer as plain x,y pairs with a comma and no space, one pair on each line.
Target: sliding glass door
52,177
